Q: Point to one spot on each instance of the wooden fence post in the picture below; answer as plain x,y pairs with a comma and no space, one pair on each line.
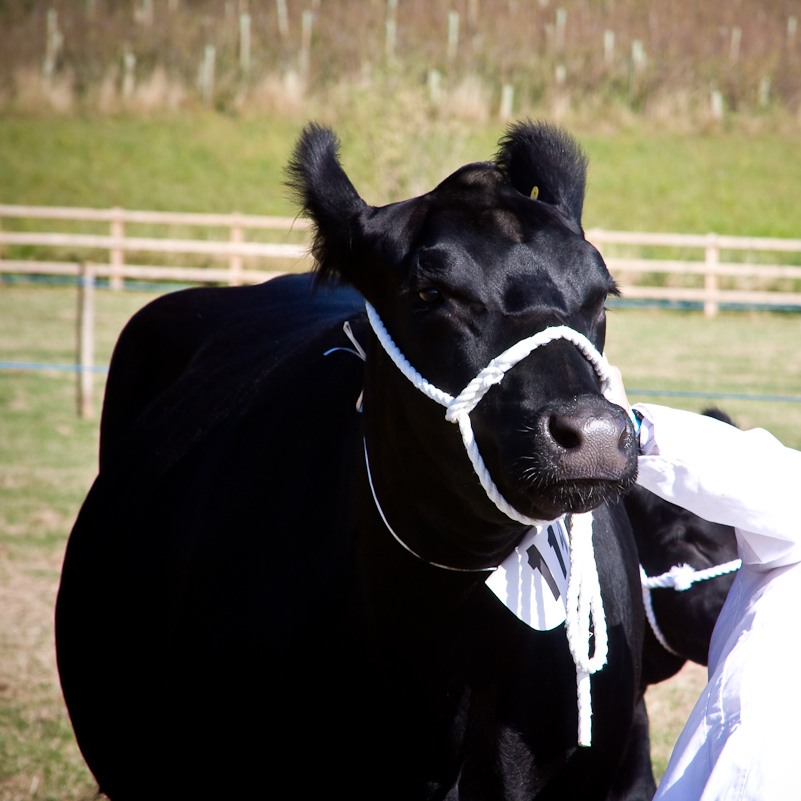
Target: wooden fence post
86,340
235,262
712,258
117,254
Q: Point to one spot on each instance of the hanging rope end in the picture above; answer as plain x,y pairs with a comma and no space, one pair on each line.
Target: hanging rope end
584,699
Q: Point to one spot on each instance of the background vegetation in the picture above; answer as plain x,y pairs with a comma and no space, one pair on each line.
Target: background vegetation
663,59
104,103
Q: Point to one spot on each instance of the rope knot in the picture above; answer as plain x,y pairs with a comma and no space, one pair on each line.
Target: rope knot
683,577
468,398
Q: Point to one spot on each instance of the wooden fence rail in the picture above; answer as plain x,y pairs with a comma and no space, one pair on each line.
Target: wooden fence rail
631,272
117,243
711,268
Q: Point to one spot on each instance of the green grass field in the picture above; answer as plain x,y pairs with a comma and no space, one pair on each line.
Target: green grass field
729,181
640,179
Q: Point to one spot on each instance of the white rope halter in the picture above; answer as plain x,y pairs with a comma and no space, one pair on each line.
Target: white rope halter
680,578
584,590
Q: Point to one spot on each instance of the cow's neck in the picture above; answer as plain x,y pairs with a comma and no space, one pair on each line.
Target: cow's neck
424,483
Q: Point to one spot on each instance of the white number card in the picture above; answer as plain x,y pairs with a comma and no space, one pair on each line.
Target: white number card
532,580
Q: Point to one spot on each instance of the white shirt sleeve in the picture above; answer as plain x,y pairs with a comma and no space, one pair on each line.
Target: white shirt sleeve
745,479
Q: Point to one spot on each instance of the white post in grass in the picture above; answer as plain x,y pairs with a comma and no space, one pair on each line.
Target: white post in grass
716,102
453,34
636,68
85,340
306,20
283,18
391,29
244,43
128,73
507,102
734,46
53,44
561,23
764,91
609,47
207,75
435,87
143,13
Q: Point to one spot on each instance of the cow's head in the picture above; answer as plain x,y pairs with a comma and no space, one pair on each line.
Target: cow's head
666,536
494,254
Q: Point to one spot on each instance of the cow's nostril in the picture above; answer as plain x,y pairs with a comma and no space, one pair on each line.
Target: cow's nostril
623,441
564,432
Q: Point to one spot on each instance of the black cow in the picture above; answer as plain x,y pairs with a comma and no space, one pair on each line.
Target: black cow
234,616
666,536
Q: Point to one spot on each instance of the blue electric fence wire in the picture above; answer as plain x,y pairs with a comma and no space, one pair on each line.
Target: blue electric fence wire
69,368
668,393
614,302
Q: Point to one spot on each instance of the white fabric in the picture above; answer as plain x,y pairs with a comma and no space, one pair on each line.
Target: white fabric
743,738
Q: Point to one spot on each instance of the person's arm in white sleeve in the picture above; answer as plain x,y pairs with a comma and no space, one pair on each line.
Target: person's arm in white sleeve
745,479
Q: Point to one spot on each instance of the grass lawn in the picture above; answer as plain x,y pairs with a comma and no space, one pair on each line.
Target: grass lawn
639,179
48,459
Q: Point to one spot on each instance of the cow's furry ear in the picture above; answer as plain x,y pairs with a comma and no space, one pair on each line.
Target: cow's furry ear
545,162
325,193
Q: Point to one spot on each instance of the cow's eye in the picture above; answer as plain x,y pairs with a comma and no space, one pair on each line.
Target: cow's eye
429,294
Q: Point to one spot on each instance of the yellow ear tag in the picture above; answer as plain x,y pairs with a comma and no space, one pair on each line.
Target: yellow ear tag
535,192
